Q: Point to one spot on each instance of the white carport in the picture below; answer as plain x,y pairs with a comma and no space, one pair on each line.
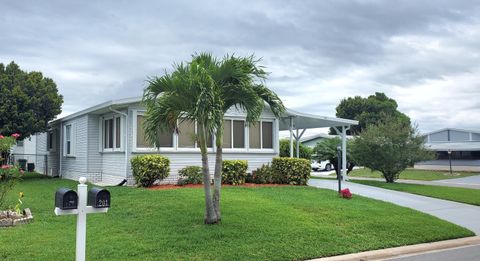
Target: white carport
299,122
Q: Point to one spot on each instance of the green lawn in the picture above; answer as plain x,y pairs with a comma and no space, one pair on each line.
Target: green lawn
464,195
413,174
269,223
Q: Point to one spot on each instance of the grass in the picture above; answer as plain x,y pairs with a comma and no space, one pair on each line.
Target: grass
412,174
463,195
267,223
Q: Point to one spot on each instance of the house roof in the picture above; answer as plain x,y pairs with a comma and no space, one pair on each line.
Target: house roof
454,129
100,108
454,146
301,120
308,121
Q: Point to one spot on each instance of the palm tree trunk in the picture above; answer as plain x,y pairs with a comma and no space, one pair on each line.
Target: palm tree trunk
210,216
217,177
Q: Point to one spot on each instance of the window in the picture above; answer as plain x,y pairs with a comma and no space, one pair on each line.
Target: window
108,134
267,135
186,134
118,136
238,134
112,134
20,143
227,133
254,135
165,139
51,140
68,140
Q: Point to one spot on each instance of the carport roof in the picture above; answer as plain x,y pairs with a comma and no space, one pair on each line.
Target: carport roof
308,121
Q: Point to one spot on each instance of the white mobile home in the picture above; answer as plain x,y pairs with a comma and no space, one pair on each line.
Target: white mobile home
98,142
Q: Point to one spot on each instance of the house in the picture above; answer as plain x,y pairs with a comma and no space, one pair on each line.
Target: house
99,142
463,146
312,140
31,150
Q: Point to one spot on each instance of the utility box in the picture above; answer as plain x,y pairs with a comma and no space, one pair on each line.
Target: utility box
66,199
98,198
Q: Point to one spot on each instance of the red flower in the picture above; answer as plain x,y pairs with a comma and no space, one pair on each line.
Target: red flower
6,166
346,193
16,135
1,136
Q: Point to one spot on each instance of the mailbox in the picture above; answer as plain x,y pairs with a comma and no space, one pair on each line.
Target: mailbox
66,199
99,198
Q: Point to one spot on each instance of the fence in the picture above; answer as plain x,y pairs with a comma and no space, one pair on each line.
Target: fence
31,162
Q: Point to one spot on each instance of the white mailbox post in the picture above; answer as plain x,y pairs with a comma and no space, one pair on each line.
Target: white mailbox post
81,211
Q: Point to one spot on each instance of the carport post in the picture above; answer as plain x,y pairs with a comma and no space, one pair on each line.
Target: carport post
291,137
344,153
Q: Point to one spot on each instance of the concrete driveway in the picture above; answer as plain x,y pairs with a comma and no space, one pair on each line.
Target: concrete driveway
461,214
467,182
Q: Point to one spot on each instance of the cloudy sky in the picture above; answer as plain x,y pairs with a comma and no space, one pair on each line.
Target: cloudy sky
424,54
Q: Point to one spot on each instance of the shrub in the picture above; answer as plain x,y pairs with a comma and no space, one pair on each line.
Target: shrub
190,175
149,168
292,171
234,171
9,176
263,175
304,151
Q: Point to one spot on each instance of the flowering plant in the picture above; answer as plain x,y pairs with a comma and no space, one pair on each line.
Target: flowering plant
345,193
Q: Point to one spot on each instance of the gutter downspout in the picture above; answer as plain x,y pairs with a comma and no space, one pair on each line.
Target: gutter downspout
126,137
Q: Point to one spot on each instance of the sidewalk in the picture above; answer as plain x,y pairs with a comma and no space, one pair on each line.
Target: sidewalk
461,214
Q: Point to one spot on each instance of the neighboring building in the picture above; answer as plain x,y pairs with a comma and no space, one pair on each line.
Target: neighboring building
312,140
464,146
99,142
31,150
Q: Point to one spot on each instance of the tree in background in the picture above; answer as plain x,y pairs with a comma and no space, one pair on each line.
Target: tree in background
28,101
304,151
389,147
326,149
371,110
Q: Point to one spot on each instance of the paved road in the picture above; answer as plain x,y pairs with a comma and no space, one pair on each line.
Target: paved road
472,182
461,214
454,254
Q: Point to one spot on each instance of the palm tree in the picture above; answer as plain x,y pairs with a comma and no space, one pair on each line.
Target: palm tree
203,90
240,83
186,94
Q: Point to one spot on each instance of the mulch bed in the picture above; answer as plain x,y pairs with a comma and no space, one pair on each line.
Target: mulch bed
246,185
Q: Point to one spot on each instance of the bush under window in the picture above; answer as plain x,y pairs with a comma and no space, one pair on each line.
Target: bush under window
234,171
292,171
149,168
190,175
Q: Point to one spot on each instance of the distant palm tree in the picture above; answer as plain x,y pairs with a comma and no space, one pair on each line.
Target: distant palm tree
203,90
240,83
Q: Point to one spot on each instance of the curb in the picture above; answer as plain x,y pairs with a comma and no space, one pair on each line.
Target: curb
382,254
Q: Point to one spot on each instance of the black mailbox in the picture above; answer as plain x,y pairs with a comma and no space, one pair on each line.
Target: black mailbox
66,199
99,198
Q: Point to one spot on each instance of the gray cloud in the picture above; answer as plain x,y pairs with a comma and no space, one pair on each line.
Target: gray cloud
424,54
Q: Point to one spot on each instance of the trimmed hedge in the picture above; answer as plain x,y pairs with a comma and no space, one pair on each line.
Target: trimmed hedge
291,170
149,168
234,171
190,175
262,175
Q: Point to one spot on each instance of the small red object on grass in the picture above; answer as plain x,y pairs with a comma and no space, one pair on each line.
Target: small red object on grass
345,193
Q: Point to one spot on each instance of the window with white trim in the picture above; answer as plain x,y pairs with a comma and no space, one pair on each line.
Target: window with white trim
261,135
51,140
68,145
165,138
234,134
112,133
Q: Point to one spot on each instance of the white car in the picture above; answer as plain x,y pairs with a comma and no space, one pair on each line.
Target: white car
322,165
